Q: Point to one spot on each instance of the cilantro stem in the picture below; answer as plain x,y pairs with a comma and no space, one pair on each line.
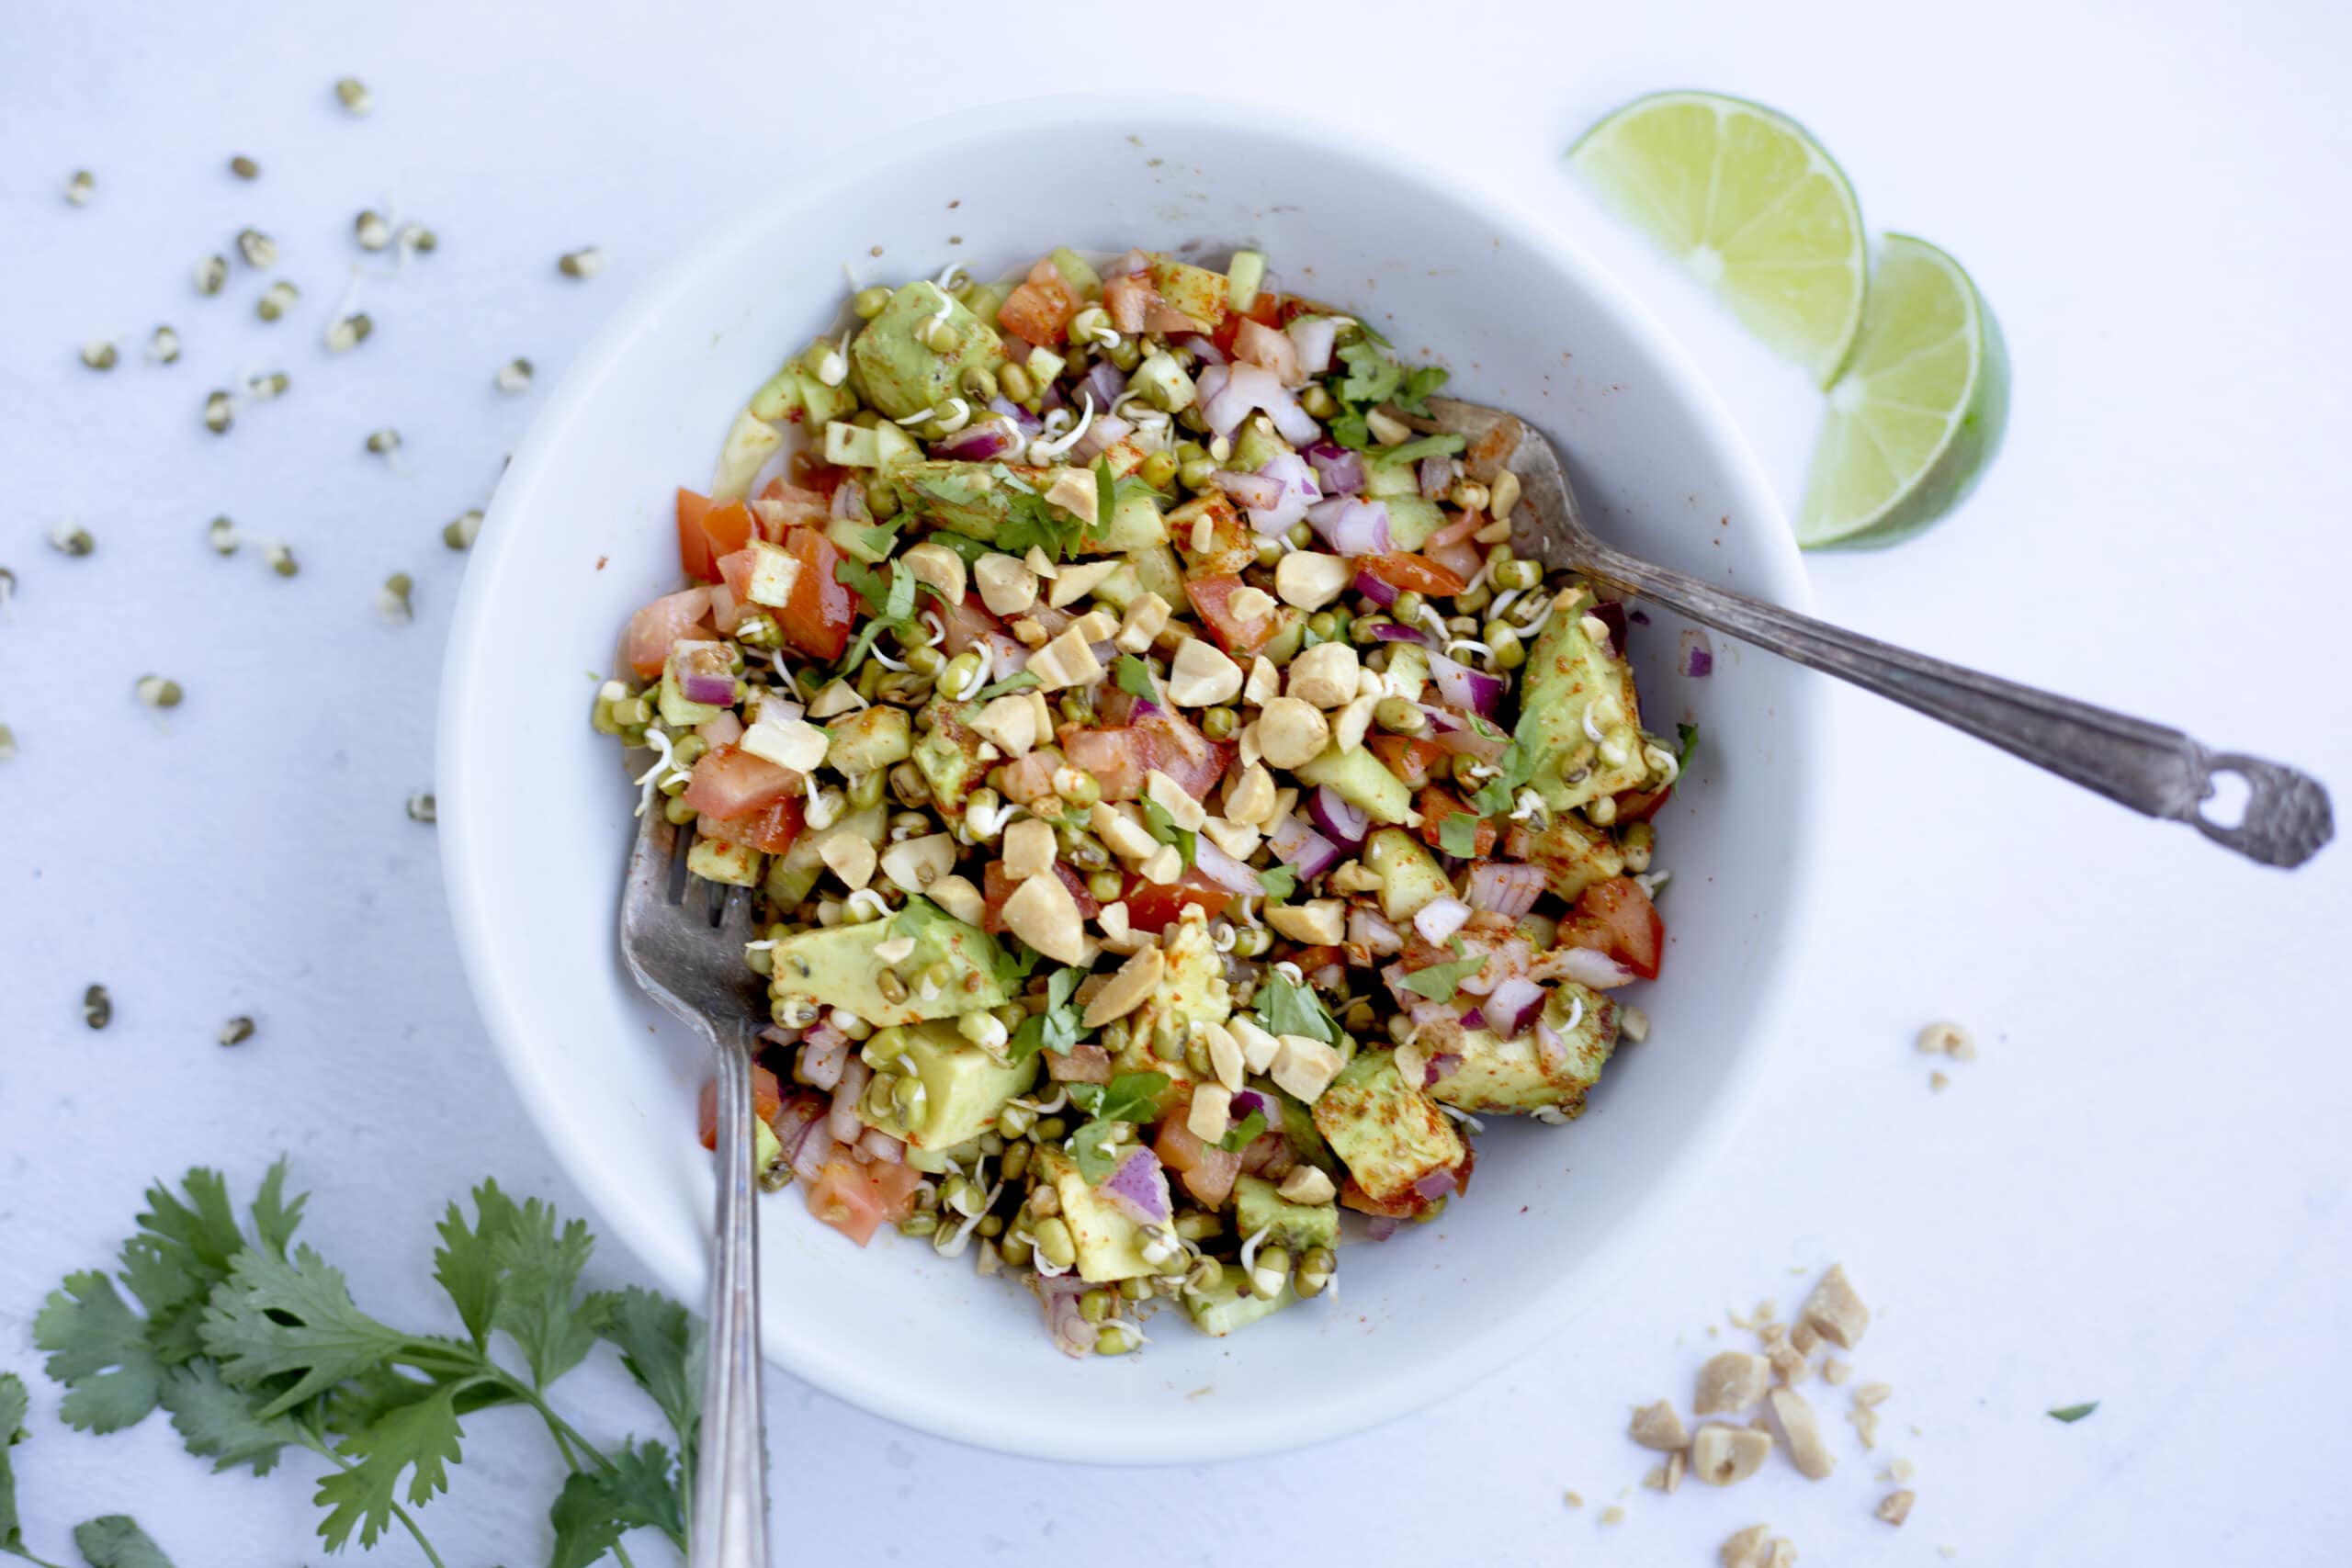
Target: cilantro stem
28,1557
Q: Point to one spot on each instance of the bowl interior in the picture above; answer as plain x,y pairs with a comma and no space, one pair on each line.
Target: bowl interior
537,811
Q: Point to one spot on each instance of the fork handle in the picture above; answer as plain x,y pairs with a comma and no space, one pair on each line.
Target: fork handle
2154,770
731,1505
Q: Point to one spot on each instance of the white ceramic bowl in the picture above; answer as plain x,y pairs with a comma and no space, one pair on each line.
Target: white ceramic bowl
536,812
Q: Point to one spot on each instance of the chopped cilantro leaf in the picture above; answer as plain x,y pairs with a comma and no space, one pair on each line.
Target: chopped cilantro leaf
1055,1029
1285,1009
1514,768
1419,384
1458,835
880,539
2070,1414
1427,446
1163,827
866,582
1279,881
1440,981
1031,520
1130,1097
969,550
1106,493
1373,377
1244,1133
1020,681
1135,677
1686,737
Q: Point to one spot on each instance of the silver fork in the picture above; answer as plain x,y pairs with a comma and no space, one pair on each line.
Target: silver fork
685,944
2154,770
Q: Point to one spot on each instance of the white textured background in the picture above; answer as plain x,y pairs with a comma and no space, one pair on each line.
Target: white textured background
2138,1195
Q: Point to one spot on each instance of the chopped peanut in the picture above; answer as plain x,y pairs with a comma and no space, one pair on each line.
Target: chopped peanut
1657,1426
1802,1433
1721,1455
1249,797
1731,1381
1028,848
1147,615
1080,579
1291,733
1042,913
960,899
1129,988
1789,1364
1347,728
1212,1113
1307,1184
837,698
851,858
1010,722
1259,1048
1317,922
1164,866
940,567
1066,661
1265,683
1182,808
1201,676
1247,605
1325,675
1308,579
1304,1068
1834,1311
1238,842
1007,587
1224,1054
1121,832
1895,1506
916,865
1749,1548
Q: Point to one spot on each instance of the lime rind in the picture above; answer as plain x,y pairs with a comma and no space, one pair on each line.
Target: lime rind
1781,244
1858,494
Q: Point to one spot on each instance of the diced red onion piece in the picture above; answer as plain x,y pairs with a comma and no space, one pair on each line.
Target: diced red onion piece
1299,490
1204,351
1106,432
1104,380
1071,1334
1369,930
1436,1184
724,730
1240,389
1380,1227
815,1149
1396,631
1339,470
1436,477
1249,1100
821,1065
1698,654
1352,526
1314,336
1380,592
1610,613
1227,872
1445,1065
1083,1063
1341,821
1513,1006
982,443
1588,967
882,1149
1475,1019
1501,889
1129,265
1138,1188
1440,918
1254,491
1022,420
844,1123
1466,688
706,688
849,499
1549,1046
1302,848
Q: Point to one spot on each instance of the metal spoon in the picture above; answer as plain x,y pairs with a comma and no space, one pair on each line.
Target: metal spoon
2154,770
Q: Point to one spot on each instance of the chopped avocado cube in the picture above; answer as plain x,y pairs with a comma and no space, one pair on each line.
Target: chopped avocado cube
837,966
1157,571
850,446
1191,992
1228,1304
1195,290
779,398
1306,1145
1568,678
1573,855
1110,1244
767,1150
1411,521
1362,778
949,755
1076,270
716,861
1243,275
1512,1076
848,535
794,874
1387,1132
964,1086
1135,525
902,373
1257,1206
1254,445
893,446
1161,382
1409,876
870,739
820,404
1121,589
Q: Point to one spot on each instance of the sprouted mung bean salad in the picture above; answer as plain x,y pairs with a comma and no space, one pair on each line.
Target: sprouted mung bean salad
1178,815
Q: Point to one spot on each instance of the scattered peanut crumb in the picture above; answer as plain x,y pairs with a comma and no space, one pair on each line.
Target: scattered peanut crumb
1748,1547
1806,1338
1896,1508
1801,1434
1874,1393
1865,1420
1790,1365
1657,1427
1946,1039
1834,1370
1722,1455
1836,1310
1785,1553
1612,1515
1938,1082
1675,1467
1731,1381
1655,1479
1575,1499
1898,1472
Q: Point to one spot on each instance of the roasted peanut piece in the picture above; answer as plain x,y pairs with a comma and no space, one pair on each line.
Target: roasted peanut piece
1265,683
1010,722
1657,1427
1308,579
1731,1381
1325,675
1304,1068
940,567
1895,1506
1749,1548
917,865
1721,1455
1130,988
1042,913
1259,1048
1028,848
1201,676
1317,922
1182,808
1147,617
1802,1433
1078,579
1834,1311
1291,733
960,899
849,857
1211,1116
1007,587
1249,797
1224,1054
1307,1184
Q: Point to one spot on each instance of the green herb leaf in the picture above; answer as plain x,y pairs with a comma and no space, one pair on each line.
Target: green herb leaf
1421,383
466,1262
1686,736
2070,1414
1020,681
115,1541
292,1317
1157,817
1133,677
1106,493
660,1347
1373,377
1285,1009
866,582
421,1436
1246,1133
596,1508
1055,1029
1033,521
1427,446
969,550
99,1349
1279,882
218,1422
1458,835
1440,981
540,1275
1130,1097
13,1405
1514,768
880,539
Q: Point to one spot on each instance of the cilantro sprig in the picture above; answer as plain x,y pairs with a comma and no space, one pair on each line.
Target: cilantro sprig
1438,982
1162,824
253,1346
889,605
1374,377
1285,1009
1133,677
1130,1097
1055,1029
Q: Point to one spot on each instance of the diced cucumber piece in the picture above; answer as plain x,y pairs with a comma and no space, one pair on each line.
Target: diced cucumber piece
1362,778
1227,1305
1081,276
1412,520
1243,273
850,446
1409,875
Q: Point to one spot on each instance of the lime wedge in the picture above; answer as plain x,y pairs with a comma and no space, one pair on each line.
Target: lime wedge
1918,412
1751,205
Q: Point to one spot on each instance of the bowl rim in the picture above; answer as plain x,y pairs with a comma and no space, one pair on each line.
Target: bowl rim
678,1262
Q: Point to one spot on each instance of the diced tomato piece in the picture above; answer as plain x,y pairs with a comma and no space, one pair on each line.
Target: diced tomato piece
844,1197
1118,759
1411,760
1266,309
1640,805
811,473
1041,308
1617,918
1243,639
1402,569
769,829
1135,307
1262,345
896,1186
707,531
1436,805
998,886
652,629
820,611
1154,906
1207,1172
731,783
767,1098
